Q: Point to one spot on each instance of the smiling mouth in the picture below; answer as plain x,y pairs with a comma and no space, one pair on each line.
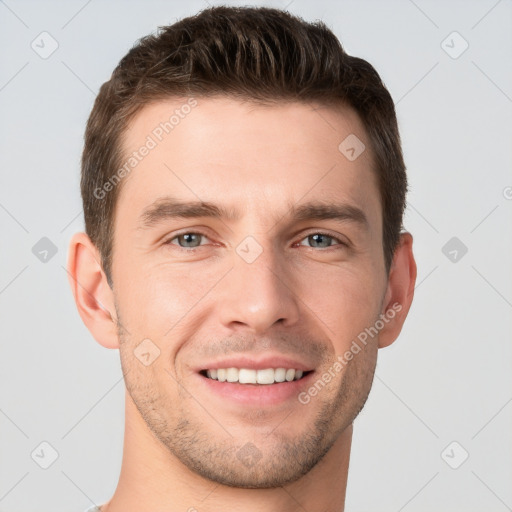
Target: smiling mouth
249,376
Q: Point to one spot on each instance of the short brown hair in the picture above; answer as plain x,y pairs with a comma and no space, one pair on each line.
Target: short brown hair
249,53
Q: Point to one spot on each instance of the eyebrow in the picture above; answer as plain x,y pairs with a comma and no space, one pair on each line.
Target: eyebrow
167,208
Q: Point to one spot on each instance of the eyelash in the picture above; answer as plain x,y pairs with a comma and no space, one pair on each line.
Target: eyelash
193,249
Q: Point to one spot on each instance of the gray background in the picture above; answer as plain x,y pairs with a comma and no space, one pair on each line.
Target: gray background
446,379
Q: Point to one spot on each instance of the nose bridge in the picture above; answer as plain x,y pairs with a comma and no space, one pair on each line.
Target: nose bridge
258,290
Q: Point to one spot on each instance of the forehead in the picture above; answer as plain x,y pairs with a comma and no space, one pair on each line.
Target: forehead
247,156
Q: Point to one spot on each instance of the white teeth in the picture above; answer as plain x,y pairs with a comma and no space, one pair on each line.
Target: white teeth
249,376
280,375
264,376
232,374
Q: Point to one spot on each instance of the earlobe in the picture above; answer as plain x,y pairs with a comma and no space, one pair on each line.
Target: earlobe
400,291
93,296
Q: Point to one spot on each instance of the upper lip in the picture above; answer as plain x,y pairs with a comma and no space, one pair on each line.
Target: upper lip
254,363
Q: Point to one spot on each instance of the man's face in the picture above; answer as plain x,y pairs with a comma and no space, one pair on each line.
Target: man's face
262,289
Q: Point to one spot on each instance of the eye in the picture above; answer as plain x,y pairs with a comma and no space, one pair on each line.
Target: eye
192,240
322,240
189,240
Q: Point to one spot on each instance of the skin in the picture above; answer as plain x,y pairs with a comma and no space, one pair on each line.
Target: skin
297,297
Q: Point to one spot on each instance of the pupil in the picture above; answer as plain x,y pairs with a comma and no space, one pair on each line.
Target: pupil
318,238
189,237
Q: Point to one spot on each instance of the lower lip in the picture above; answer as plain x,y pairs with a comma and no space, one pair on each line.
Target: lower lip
258,394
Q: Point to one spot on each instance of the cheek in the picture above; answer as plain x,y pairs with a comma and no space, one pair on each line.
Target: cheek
344,301
158,297
155,297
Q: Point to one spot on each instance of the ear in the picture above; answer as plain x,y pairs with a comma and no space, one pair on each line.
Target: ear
93,296
400,291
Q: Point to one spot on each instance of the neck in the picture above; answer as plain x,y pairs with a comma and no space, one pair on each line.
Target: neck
153,479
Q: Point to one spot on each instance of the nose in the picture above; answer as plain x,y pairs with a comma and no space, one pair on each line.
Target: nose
256,295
